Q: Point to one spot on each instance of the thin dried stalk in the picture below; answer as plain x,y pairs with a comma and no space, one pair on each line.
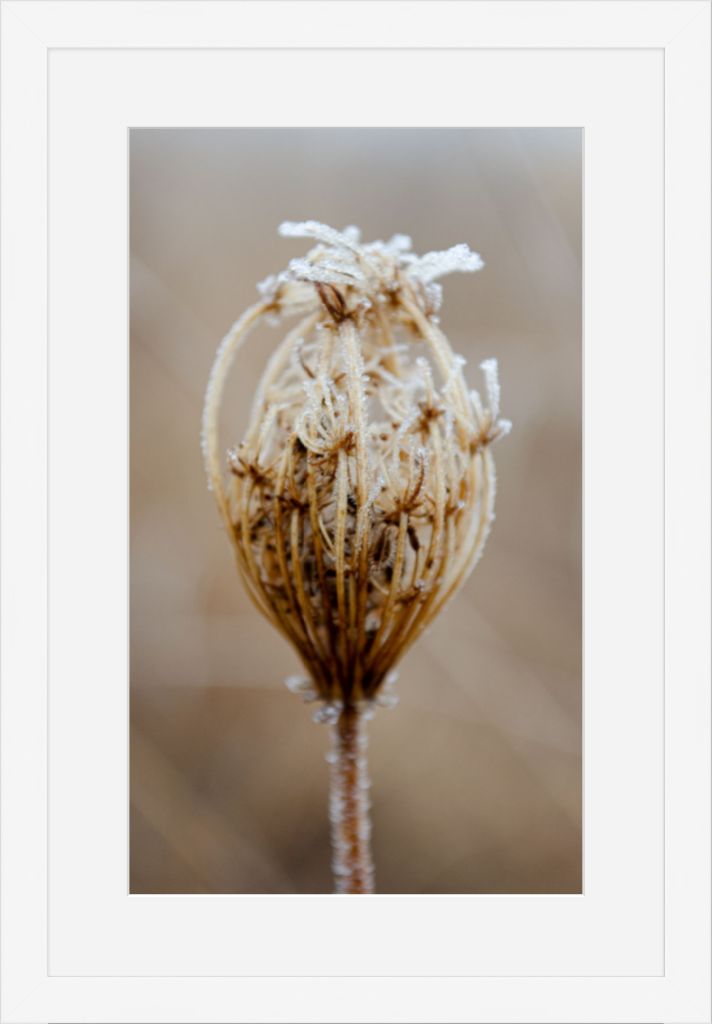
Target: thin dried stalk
349,803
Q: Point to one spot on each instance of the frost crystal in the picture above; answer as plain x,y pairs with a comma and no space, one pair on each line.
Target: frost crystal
328,714
302,687
437,264
491,372
346,239
267,289
373,270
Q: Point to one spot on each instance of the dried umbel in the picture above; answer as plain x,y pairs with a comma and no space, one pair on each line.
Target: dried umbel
361,496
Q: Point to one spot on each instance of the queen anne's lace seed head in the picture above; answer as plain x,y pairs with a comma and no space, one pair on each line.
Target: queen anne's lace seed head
362,494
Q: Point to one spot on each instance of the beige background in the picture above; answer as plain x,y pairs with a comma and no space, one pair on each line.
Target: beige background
477,772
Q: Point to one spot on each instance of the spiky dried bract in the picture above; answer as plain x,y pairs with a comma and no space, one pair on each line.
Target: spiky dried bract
361,496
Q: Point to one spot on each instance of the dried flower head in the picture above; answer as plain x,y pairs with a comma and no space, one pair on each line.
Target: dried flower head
361,496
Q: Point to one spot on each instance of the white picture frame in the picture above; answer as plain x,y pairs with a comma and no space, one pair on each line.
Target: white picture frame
635,946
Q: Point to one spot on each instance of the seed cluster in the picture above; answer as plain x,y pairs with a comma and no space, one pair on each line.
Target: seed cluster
362,493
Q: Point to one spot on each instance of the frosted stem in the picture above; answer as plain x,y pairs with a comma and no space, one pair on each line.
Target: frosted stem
349,804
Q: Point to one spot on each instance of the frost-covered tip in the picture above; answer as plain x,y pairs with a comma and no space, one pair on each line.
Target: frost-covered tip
348,238
371,270
491,427
302,687
432,265
491,371
267,289
325,271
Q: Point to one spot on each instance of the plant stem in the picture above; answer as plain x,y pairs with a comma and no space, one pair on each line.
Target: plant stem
349,803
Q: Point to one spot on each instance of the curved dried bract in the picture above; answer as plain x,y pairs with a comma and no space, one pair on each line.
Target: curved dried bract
362,493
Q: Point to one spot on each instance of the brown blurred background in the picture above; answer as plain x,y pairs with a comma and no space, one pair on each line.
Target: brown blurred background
477,773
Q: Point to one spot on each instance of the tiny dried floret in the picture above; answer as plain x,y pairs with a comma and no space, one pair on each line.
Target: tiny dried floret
361,496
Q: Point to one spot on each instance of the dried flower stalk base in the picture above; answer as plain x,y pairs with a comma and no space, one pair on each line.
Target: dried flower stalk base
348,803
362,494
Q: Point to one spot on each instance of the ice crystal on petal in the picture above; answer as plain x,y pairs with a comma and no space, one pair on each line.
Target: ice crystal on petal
400,243
434,295
491,372
436,264
269,287
302,687
372,269
321,232
324,272
328,713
